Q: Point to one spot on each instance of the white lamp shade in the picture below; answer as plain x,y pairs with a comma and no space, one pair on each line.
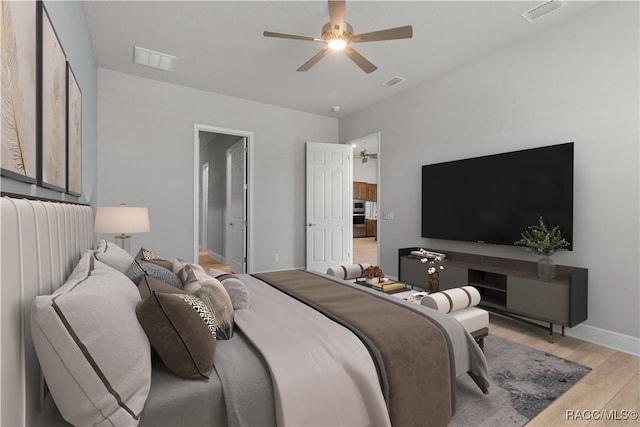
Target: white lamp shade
122,219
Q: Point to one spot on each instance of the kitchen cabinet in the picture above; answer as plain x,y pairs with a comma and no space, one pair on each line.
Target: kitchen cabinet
371,227
372,192
359,190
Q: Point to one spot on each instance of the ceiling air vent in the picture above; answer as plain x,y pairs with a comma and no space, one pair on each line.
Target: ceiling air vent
394,81
153,59
542,9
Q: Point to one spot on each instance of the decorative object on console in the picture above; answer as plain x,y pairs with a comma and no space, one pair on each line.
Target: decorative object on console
373,274
123,220
433,270
539,239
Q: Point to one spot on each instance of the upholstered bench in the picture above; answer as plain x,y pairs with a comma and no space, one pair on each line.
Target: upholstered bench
348,272
461,303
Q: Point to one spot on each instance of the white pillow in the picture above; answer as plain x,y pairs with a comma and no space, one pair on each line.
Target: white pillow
94,354
114,256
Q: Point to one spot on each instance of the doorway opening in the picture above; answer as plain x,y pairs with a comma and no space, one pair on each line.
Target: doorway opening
366,199
222,199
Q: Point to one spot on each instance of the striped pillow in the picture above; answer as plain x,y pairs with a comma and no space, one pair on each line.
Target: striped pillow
93,352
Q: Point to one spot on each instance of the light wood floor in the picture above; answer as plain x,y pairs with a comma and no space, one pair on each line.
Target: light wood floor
365,249
207,262
612,385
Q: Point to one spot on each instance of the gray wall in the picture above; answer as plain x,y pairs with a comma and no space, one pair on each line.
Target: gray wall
145,148
70,24
573,82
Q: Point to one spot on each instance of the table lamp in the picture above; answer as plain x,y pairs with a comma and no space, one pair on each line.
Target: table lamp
121,221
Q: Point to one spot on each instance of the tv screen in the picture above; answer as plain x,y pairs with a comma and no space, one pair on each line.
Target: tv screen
492,199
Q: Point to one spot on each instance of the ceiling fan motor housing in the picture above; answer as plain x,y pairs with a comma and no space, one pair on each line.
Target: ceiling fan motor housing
328,33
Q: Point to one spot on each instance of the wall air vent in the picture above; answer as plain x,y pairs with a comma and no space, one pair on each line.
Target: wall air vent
153,59
542,9
393,81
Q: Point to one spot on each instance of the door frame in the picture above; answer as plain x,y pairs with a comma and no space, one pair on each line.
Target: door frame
378,137
250,181
204,206
228,195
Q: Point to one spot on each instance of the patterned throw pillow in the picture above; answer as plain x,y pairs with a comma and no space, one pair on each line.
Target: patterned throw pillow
139,269
147,255
182,273
182,330
214,295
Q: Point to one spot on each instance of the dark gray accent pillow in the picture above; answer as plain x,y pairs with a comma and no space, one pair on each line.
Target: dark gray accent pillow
140,268
182,330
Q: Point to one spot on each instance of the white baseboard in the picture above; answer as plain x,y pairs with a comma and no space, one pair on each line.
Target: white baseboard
605,338
217,256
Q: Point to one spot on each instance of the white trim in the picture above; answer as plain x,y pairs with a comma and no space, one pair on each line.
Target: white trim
196,184
606,338
378,137
217,256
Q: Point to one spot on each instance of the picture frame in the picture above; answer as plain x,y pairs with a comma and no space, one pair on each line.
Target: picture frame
53,136
19,84
74,134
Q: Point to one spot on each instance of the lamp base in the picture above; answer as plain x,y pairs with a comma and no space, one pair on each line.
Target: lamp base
124,241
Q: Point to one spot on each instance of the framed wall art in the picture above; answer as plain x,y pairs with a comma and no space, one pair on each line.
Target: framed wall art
53,101
74,134
19,90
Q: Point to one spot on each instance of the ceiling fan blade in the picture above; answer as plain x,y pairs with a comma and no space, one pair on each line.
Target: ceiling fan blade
310,63
290,36
360,60
405,32
336,14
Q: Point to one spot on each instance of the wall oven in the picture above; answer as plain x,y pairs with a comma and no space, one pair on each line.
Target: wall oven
358,206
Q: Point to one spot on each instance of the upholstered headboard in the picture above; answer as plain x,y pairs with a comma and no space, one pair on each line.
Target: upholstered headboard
41,243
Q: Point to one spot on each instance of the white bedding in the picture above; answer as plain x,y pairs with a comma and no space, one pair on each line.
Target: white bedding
311,360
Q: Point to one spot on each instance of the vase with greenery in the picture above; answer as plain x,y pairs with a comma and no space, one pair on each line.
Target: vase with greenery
543,241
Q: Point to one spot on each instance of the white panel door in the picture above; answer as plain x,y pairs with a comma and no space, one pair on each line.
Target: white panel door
235,236
329,210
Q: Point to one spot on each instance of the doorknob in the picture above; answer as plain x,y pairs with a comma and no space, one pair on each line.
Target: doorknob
311,225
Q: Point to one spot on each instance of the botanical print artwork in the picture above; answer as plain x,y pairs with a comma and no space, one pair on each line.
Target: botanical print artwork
18,59
75,135
53,109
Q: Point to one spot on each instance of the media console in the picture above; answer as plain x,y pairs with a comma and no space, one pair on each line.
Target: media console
508,287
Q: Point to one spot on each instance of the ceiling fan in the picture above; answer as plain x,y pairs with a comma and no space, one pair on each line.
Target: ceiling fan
365,155
338,35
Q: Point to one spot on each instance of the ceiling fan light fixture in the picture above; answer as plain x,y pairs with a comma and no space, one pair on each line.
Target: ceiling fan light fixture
337,44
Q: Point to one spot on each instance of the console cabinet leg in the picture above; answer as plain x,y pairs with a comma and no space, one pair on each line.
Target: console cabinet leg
551,333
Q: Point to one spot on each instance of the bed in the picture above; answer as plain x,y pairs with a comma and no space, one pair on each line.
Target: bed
295,357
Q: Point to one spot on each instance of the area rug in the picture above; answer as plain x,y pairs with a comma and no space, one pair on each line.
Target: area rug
524,381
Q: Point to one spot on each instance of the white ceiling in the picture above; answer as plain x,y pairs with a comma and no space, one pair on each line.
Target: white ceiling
220,47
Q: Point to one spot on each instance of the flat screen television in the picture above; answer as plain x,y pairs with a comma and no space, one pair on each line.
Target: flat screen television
492,199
